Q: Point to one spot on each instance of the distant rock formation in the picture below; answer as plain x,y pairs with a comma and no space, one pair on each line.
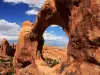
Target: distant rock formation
13,46
6,54
80,19
54,52
6,49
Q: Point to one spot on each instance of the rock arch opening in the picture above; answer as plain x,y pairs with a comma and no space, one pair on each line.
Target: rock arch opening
55,36
55,44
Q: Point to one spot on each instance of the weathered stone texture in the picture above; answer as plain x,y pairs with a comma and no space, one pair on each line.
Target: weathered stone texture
81,22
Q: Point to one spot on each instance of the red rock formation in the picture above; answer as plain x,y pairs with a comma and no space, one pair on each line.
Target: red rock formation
40,48
29,70
81,22
6,49
13,46
5,72
27,48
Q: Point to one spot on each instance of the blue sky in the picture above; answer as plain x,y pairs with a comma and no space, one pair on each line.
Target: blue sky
14,12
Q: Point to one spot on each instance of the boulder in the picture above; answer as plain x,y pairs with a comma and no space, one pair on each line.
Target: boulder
29,70
5,72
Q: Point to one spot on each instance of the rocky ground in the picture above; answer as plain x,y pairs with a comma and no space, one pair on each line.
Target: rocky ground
54,52
53,56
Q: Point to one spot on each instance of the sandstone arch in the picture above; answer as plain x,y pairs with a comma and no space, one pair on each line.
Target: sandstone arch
82,26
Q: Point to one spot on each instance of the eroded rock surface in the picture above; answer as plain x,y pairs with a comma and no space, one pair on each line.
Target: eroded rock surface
80,19
27,49
6,49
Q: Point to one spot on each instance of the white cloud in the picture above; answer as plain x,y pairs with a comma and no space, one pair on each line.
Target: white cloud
34,7
31,3
39,5
8,30
53,39
54,25
24,1
32,12
53,36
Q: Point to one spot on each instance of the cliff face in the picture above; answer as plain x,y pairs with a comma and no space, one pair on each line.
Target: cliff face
80,19
84,40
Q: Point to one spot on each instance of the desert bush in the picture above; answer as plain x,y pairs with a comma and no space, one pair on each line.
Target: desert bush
51,62
8,65
2,60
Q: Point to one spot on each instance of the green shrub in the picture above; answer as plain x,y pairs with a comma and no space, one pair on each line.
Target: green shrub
11,72
2,60
51,62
